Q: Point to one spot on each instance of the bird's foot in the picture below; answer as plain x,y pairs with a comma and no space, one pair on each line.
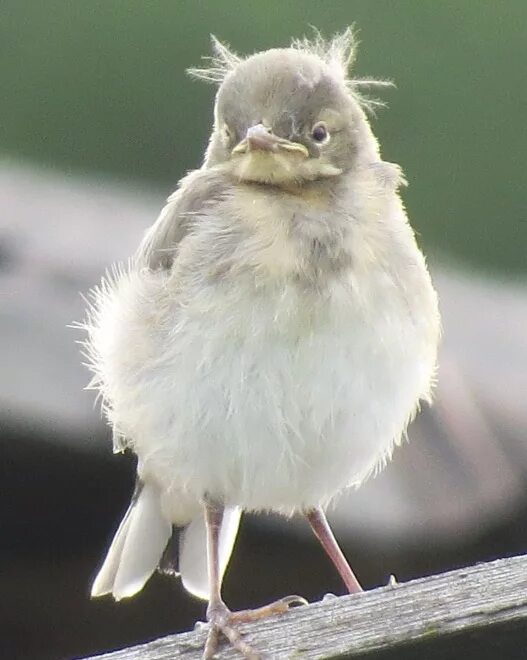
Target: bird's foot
224,622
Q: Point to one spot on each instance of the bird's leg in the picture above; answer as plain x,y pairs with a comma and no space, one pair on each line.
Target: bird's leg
319,524
220,618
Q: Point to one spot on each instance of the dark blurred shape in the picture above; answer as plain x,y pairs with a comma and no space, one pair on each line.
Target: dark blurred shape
451,496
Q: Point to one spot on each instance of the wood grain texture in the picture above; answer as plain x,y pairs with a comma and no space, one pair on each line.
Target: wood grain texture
479,611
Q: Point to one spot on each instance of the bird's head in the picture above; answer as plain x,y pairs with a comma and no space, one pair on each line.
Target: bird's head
288,116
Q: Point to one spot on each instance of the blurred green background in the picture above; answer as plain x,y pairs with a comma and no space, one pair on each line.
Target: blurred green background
99,87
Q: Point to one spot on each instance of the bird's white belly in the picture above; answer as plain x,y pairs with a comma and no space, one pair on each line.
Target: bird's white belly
269,404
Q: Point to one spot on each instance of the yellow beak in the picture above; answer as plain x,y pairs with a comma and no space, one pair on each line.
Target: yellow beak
260,138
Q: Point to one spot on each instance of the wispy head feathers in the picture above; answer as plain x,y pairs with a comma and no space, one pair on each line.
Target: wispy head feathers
337,52
222,62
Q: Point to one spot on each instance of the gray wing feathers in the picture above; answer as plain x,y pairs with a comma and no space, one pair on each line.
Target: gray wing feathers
193,551
159,246
136,548
197,191
144,533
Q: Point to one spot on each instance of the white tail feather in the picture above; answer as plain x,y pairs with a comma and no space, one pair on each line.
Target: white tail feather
103,583
193,551
136,548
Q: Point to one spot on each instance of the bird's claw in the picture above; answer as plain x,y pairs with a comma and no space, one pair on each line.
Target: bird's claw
222,620
293,601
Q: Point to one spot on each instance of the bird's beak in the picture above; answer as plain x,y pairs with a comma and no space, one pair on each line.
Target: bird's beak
260,138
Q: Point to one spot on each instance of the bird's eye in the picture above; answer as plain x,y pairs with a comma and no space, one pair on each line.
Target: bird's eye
320,133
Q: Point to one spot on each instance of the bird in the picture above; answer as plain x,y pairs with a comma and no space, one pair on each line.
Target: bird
267,345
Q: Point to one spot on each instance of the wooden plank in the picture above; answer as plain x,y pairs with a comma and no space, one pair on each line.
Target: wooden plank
464,613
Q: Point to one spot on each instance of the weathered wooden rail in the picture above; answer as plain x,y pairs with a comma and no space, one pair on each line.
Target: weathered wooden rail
477,612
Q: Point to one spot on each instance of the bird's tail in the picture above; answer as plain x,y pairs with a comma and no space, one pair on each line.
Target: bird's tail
193,551
141,541
136,547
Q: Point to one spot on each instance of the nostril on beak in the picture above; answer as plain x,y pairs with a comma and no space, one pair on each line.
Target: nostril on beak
260,137
258,129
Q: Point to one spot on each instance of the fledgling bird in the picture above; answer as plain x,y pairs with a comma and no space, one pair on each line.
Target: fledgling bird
272,337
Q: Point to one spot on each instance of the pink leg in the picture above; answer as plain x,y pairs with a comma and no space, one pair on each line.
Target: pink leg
220,618
319,524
